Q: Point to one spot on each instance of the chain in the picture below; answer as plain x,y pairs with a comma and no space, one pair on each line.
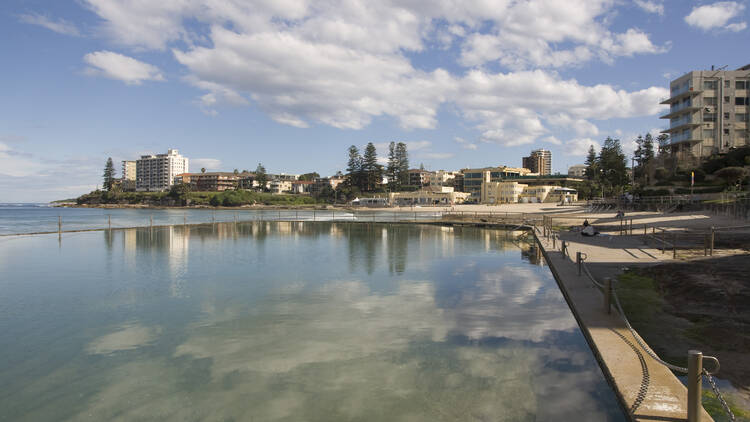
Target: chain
640,341
723,402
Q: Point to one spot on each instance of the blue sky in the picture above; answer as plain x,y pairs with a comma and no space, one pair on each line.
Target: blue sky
293,83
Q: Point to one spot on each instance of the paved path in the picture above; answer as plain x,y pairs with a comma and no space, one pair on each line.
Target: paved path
648,390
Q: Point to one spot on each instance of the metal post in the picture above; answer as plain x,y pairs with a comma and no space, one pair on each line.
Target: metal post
313,215
109,222
713,237
694,385
554,242
184,220
59,224
631,226
579,263
674,246
333,215
645,227
608,295
705,245
663,241
152,221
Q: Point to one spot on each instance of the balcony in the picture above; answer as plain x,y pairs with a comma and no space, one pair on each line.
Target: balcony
681,109
680,94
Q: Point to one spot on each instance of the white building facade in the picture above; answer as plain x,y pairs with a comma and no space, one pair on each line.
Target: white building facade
155,173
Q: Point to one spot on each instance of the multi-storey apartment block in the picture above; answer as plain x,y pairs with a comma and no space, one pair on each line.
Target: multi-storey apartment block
473,178
128,175
708,113
539,162
157,172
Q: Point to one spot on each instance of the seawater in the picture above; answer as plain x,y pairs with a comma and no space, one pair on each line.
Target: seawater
290,321
39,218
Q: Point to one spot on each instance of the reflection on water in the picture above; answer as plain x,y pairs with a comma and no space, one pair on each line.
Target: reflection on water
290,321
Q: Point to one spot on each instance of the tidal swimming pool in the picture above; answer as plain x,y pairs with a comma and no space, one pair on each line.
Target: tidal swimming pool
290,321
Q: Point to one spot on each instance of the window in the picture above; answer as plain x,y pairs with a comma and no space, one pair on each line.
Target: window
727,99
741,100
726,83
726,131
709,117
726,116
711,101
741,84
709,84
741,117
708,133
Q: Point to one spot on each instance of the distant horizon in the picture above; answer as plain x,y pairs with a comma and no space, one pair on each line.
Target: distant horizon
292,85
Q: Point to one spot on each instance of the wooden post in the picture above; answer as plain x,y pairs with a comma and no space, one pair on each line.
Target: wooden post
109,221
59,224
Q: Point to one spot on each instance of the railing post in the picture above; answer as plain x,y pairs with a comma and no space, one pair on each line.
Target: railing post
579,262
608,295
713,237
631,226
674,246
694,385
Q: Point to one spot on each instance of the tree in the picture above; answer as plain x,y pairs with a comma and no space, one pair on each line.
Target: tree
402,164
180,191
392,168
309,177
613,165
373,172
592,165
236,172
261,177
732,175
663,141
354,168
203,169
109,174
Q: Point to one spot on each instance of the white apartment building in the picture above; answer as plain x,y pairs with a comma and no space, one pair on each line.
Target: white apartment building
154,173
128,175
442,178
708,113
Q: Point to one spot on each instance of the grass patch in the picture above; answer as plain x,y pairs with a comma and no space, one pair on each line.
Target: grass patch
714,408
640,297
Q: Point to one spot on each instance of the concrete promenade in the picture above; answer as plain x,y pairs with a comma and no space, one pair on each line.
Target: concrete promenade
646,389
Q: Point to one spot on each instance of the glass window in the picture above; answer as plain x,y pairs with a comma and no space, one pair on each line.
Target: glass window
741,100
709,84
709,117
741,117
727,99
726,131
741,84
726,83
708,133
709,101
726,116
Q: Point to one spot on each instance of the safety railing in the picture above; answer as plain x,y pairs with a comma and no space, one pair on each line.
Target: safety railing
695,370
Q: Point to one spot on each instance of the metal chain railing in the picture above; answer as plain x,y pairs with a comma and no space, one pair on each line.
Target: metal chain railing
581,258
721,399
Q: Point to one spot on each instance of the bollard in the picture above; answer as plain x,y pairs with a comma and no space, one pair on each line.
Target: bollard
579,263
694,385
608,295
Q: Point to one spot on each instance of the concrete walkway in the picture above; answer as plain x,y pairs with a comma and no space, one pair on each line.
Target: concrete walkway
647,390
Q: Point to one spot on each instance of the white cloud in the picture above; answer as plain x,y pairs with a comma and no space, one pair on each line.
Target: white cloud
717,15
61,26
123,68
465,144
552,140
580,146
196,164
514,108
344,63
651,6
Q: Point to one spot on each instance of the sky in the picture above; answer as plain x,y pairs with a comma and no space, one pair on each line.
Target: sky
292,84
